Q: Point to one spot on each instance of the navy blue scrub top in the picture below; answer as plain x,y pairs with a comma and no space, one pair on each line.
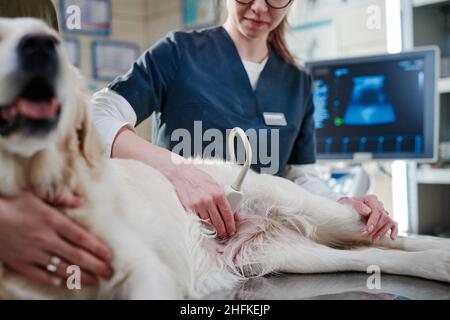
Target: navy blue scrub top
199,76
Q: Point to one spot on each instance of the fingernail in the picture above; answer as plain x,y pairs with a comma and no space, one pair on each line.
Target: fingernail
366,209
371,228
109,255
232,234
105,254
365,233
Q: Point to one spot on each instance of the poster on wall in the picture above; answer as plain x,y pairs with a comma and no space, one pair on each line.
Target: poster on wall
317,5
91,17
112,58
303,11
73,49
200,13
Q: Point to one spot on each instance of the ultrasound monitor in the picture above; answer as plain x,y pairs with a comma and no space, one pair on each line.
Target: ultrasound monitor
381,107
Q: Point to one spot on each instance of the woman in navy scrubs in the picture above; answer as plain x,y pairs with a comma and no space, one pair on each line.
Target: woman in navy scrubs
240,74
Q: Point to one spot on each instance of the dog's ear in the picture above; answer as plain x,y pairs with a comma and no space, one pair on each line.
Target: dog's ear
89,141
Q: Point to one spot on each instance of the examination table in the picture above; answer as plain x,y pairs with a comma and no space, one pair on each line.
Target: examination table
336,286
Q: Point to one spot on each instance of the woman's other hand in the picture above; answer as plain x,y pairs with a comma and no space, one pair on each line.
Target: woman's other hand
32,233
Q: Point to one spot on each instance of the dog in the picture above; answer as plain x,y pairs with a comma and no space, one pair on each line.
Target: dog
49,145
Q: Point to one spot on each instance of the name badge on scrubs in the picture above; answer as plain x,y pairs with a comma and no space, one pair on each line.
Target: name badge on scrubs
275,119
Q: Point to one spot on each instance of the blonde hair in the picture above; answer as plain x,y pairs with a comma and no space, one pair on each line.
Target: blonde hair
41,9
277,42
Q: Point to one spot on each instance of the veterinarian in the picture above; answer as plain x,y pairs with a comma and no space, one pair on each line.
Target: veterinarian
36,240
228,76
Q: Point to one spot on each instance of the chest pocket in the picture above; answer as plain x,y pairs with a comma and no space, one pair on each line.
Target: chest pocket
204,121
271,145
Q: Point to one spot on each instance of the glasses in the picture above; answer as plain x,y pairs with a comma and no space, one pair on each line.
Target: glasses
275,4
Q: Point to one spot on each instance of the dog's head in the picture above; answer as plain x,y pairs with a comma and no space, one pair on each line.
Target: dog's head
42,98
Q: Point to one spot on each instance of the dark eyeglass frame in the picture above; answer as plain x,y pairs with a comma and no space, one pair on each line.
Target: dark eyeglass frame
267,2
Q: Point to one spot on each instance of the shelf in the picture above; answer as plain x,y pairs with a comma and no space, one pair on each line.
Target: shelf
433,176
444,85
420,3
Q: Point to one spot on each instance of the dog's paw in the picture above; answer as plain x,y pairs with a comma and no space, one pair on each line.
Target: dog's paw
443,244
437,264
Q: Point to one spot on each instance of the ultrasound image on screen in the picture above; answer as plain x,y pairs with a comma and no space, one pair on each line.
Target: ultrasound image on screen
369,104
375,107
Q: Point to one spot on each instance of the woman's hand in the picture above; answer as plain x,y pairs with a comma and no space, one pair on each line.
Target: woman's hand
199,193
378,220
32,232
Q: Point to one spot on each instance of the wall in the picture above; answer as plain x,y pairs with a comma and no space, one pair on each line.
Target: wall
353,36
161,18
350,17
129,23
332,28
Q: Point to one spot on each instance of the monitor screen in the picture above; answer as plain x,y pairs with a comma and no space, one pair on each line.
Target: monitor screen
378,107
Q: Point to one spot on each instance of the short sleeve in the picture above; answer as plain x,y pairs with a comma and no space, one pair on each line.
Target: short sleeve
146,84
304,150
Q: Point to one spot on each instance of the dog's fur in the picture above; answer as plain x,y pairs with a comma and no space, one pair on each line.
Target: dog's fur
160,250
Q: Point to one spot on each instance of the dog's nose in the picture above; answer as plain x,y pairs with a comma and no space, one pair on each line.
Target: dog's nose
38,54
32,45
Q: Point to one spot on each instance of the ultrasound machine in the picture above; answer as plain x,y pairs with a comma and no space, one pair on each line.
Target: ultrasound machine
376,108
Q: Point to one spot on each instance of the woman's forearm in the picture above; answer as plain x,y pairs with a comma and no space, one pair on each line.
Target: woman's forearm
307,177
128,145
197,191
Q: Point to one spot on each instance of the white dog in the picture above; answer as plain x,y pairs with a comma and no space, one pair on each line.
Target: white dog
48,144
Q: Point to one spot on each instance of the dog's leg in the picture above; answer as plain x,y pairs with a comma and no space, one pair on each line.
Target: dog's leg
334,224
149,279
305,256
323,220
140,274
327,220
413,243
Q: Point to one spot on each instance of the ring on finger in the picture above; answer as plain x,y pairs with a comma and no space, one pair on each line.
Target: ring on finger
53,265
